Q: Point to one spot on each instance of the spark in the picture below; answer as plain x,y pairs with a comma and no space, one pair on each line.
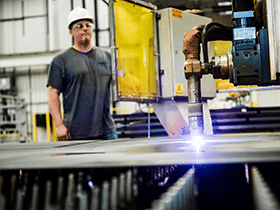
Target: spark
90,184
197,142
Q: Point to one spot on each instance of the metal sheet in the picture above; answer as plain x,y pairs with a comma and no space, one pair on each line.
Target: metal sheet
141,152
173,116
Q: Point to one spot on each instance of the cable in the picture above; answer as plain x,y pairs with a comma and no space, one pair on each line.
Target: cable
212,32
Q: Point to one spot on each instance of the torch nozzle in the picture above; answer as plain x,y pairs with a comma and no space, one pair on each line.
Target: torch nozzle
195,111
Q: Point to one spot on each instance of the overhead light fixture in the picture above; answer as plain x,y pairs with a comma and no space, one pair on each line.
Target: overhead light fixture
224,4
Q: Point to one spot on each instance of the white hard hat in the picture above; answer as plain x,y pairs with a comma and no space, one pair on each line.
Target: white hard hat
79,13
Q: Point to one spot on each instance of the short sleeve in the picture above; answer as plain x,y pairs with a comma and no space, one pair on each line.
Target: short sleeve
55,78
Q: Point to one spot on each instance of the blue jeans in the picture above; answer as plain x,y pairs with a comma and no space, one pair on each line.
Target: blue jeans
110,135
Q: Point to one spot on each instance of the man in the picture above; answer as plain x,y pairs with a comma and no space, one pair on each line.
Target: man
83,75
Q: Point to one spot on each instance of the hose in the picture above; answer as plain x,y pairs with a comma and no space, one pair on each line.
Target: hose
212,32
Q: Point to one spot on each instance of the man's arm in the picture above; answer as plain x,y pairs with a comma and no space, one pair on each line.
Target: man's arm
55,109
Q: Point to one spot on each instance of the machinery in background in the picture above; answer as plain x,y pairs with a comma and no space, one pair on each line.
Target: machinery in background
13,127
147,60
246,120
138,125
147,68
250,61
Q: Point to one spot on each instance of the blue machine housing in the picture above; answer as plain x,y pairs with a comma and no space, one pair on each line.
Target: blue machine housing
250,55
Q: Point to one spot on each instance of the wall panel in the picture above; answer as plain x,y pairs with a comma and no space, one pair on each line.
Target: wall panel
103,12
27,34
34,37
34,7
58,19
7,36
103,38
11,9
38,32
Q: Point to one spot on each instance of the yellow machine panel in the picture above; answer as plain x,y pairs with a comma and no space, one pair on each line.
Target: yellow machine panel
136,61
222,48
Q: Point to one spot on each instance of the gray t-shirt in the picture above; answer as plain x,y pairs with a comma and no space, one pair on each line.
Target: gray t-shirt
84,80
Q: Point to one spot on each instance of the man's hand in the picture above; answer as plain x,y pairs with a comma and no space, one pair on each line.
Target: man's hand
191,42
62,133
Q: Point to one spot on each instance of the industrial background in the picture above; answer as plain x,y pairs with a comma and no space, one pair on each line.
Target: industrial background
147,168
31,37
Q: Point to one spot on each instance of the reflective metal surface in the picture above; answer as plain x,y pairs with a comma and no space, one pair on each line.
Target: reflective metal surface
263,196
141,152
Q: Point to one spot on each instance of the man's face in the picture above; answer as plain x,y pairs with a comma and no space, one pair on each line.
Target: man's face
82,32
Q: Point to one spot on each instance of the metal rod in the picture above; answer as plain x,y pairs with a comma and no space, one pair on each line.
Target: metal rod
179,196
69,202
72,7
263,196
96,23
34,128
22,13
47,26
48,195
54,132
114,194
48,127
13,189
194,94
19,200
121,191
60,187
83,201
275,87
149,120
3,201
22,18
195,106
95,193
105,196
128,186
106,2
30,101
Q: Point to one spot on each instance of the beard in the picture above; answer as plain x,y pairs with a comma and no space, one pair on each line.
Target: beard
84,43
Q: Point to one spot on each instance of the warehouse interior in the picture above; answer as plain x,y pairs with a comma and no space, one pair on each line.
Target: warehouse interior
27,52
156,162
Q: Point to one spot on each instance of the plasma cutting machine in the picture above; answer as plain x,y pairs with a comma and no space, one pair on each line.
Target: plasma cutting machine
148,61
227,172
251,60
